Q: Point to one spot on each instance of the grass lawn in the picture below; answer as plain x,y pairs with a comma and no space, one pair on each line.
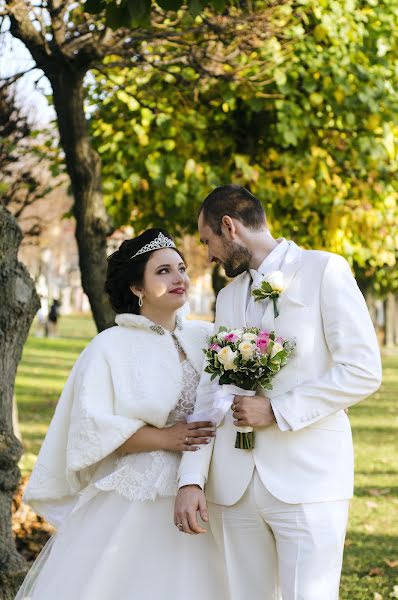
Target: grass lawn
371,556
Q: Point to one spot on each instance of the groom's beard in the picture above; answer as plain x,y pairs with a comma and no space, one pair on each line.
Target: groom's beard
238,259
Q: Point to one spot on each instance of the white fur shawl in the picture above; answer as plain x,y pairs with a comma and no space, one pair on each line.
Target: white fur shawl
127,376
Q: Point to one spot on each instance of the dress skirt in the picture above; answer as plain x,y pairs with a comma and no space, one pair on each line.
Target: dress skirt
112,548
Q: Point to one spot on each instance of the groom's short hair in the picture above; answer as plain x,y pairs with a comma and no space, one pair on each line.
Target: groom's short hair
236,202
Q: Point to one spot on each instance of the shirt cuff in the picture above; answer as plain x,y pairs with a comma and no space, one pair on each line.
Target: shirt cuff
191,479
280,420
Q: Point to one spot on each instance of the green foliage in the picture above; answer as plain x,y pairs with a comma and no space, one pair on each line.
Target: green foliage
164,130
334,167
135,13
316,140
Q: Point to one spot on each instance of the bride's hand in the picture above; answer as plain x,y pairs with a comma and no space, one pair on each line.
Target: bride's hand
186,437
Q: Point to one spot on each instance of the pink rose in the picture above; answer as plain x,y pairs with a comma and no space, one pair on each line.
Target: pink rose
215,347
262,344
263,335
280,340
231,337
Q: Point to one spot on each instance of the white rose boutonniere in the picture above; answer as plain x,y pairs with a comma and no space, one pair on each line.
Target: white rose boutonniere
271,287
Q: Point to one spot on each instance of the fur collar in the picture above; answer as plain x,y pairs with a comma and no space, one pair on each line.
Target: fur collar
140,322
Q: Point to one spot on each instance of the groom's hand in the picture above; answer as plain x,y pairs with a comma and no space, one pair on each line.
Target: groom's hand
255,411
190,499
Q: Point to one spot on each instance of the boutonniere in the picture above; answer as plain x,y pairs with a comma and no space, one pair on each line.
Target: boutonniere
271,287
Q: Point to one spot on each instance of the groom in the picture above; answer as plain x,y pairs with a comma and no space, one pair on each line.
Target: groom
279,511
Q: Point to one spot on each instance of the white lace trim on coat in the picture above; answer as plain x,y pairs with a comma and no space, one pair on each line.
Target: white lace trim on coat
146,475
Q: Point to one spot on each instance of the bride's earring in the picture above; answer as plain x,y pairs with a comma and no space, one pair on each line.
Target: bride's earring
140,301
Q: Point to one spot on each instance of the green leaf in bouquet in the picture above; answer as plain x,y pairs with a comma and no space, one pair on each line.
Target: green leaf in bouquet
212,378
267,385
279,356
252,330
274,367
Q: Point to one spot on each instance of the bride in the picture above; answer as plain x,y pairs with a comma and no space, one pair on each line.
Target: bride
106,475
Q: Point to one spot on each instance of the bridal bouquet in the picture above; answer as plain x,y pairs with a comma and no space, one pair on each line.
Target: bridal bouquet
245,360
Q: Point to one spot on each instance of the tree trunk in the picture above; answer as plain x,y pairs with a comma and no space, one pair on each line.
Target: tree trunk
83,164
390,320
18,305
371,304
84,169
396,321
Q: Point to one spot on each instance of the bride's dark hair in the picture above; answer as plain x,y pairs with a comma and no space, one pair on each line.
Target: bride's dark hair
125,271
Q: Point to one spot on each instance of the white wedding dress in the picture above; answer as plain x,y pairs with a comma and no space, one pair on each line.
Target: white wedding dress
120,541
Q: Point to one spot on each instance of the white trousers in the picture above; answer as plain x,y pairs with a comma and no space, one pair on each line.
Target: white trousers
276,550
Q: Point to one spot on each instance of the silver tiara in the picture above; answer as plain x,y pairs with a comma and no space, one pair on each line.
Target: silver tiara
160,242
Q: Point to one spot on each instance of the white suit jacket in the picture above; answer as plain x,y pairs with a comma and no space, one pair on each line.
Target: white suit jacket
336,364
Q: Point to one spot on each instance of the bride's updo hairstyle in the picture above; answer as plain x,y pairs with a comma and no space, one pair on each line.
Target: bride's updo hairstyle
126,270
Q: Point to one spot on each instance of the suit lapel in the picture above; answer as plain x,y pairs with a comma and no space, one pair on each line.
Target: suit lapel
289,268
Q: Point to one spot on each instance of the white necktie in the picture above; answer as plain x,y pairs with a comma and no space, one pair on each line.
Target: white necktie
255,310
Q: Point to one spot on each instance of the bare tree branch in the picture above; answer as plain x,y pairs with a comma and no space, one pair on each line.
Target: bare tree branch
21,27
9,81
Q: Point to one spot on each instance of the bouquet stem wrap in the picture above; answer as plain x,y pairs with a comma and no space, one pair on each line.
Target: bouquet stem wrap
245,434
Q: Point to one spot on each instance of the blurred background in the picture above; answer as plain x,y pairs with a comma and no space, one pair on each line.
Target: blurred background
118,116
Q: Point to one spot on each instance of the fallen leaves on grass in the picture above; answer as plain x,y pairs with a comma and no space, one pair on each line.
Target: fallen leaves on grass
378,491
375,572
30,530
391,563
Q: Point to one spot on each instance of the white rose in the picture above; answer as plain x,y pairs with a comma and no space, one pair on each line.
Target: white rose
276,348
247,350
249,337
226,356
276,281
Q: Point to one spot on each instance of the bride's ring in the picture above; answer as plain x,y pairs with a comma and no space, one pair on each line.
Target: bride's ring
187,441
180,526
233,407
